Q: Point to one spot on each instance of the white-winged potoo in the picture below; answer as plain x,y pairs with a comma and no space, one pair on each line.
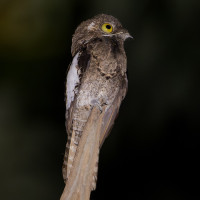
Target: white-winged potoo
96,79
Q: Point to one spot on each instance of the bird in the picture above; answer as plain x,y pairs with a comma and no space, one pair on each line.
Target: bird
96,80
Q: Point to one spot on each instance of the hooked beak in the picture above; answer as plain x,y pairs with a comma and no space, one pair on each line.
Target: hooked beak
125,35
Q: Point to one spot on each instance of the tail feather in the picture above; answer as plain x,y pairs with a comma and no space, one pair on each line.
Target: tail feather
70,151
95,172
83,175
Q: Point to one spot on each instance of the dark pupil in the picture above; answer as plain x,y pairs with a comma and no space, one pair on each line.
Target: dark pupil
108,26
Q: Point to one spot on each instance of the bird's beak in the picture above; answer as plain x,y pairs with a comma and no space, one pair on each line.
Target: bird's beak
126,35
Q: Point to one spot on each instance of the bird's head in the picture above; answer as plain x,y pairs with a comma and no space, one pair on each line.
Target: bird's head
97,27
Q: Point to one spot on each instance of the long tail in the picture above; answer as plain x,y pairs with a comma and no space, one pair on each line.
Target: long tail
82,178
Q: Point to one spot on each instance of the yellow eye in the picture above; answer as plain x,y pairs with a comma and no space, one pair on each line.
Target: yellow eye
107,28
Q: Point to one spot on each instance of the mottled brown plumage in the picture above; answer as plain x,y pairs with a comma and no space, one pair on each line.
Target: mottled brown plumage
96,79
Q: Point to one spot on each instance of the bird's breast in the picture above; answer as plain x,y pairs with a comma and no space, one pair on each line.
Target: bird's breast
97,90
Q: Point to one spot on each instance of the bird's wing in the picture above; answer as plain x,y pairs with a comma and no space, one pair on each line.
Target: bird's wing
74,75
111,113
105,123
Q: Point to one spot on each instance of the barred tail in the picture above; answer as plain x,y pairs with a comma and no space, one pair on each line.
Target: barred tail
71,147
83,175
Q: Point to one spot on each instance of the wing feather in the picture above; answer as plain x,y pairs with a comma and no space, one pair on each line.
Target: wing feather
74,76
110,115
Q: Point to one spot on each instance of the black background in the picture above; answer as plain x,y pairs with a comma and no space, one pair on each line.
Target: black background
153,149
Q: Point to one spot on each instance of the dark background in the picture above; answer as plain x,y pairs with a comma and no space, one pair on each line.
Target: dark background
153,150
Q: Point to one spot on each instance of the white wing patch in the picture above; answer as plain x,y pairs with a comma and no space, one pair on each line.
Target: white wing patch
72,81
